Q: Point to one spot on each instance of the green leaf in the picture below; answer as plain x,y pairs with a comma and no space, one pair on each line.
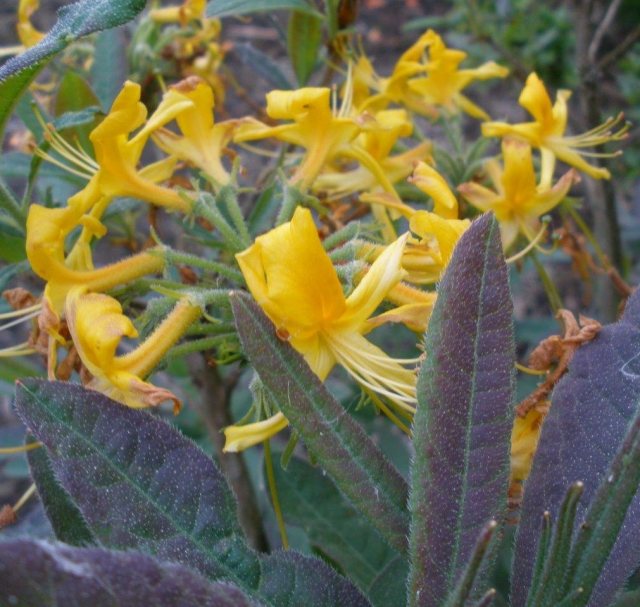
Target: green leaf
311,501
333,437
65,518
303,42
12,248
74,21
140,484
462,426
227,8
262,64
109,67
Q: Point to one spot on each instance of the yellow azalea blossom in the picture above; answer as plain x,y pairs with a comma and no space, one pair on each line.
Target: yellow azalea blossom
47,230
393,89
442,85
517,201
202,142
316,128
118,155
546,132
427,179
189,10
378,140
524,441
292,278
29,35
97,325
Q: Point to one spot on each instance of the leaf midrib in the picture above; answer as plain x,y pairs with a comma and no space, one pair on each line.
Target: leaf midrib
468,434
232,576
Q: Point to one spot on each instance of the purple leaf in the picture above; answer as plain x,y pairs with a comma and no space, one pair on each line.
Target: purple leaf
592,407
37,573
462,427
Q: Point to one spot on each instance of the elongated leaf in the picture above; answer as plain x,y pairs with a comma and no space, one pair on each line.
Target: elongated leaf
227,8
303,41
462,426
291,579
592,407
310,500
65,518
141,485
74,21
605,518
339,444
138,483
37,573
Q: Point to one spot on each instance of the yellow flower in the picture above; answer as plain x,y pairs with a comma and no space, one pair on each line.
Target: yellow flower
188,11
524,440
118,156
97,325
517,201
442,85
314,127
29,35
427,179
378,140
47,230
292,278
202,141
547,131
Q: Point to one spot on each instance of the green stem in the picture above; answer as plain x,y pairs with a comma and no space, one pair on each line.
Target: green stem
273,490
555,301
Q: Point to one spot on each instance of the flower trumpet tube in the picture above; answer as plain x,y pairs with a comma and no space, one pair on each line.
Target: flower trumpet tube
518,201
292,278
546,132
97,325
202,142
117,155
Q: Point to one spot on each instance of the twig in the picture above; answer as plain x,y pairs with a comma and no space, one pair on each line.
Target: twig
617,52
605,24
214,408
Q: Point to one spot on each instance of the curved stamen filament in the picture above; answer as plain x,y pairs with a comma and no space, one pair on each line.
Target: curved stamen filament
21,312
17,321
22,349
19,449
538,237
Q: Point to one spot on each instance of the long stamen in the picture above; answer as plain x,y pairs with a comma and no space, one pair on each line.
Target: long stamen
22,349
21,312
538,237
62,165
17,321
19,449
25,498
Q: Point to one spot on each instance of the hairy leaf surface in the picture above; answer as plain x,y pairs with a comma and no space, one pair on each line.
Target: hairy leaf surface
141,485
66,520
592,407
340,445
39,573
462,427
311,501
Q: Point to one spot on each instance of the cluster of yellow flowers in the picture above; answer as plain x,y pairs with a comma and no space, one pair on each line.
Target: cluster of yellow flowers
344,149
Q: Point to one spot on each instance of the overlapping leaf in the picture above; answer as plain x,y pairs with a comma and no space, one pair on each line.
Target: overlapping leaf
66,520
462,426
311,501
591,410
340,445
39,573
141,485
